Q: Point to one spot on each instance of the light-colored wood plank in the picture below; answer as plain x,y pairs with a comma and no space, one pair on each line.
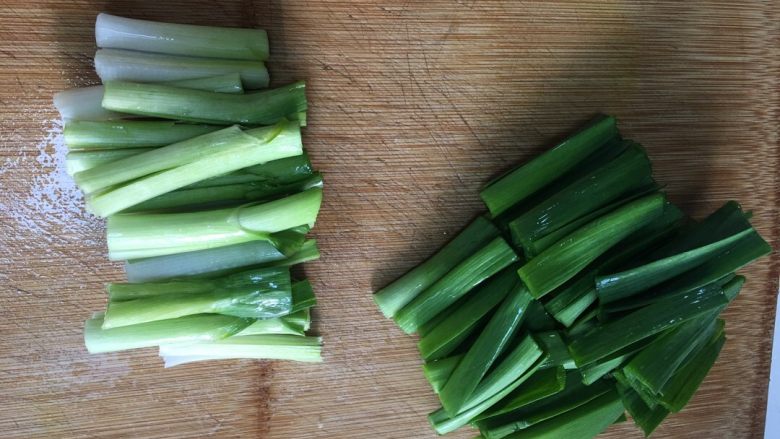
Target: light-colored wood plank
414,106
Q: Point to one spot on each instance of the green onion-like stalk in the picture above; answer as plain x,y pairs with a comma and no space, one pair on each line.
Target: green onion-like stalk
308,252
165,169
517,362
533,248
201,261
192,150
155,100
443,423
542,385
291,324
567,257
485,350
130,133
226,83
129,65
648,419
656,363
681,388
400,292
259,294
612,287
443,338
570,395
628,172
134,236
584,421
214,260
83,103
226,195
438,372
612,336
189,329
722,266
513,187
86,103
469,273
77,161
258,347
277,173
180,39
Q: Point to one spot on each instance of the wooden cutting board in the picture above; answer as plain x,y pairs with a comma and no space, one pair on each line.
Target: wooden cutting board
414,105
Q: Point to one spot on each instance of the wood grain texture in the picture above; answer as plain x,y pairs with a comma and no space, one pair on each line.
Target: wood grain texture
414,105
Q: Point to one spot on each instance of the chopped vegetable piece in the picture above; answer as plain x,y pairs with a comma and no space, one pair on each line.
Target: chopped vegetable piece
202,261
459,323
180,39
189,329
538,320
614,335
175,166
656,363
681,387
259,347
584,323
628,172
573,395
283,171
511,367
259,294
155,100
83,134
438,372
585,421
724,222
275,277
129,65
485,350
83,103
744,251
77,161
302,296
308,252
227,83
400,292
555,348
86,103
134,236
541,385
221,196
469,273
617,286
559,263
443,423
300,319
538,245
291,324
648,419
161,170
511,188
